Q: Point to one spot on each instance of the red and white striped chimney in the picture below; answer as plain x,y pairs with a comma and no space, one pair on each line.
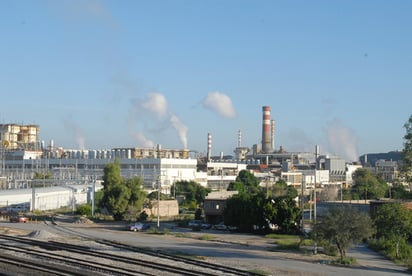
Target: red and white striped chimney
266,139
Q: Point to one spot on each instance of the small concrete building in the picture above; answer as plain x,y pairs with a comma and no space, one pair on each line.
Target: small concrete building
214,205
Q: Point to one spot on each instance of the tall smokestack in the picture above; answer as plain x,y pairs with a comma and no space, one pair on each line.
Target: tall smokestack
266,129
317,152
239,138
273,135
209,146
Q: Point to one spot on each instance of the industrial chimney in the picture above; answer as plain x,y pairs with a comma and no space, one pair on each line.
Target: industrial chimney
273,135
209,146
266,140
239,138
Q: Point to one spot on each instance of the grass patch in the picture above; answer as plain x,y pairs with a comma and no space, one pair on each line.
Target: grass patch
289,242
182,235
157,231
206,237
281,236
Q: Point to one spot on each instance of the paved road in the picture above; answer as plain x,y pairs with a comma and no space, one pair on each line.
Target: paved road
369,260
245,251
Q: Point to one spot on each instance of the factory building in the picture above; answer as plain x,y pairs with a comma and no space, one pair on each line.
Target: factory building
15,136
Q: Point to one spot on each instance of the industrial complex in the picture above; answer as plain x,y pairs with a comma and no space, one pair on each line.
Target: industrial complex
75,171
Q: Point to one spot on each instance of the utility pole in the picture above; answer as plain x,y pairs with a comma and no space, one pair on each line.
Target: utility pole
302,202
93,194
315,250
158,201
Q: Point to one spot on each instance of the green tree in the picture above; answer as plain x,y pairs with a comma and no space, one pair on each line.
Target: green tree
137,194
245,182
398,191
282,189
240,211
39,175
287,215
407,152
341,227
193,191
121,196
254,212
367,186
236,186
394,224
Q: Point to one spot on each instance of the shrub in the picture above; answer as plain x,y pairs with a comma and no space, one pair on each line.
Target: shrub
84,210
345,261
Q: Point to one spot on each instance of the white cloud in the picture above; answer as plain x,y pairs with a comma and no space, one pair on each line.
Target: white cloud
219,103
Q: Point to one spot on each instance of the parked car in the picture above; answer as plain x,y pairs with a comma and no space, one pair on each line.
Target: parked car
205,225
138,226
18,219
220,226
224,227
194,223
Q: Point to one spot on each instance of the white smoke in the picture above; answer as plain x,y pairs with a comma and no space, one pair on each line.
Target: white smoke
156,104
143,141
77,131
219,103
342,140
180,128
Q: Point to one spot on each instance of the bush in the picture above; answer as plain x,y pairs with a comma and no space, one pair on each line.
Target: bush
329,249
84,210
345,261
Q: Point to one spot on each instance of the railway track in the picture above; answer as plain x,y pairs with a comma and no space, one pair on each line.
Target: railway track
161,255
85,260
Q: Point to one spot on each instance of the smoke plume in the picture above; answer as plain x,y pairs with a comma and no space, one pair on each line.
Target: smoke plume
219,103
156,104
72,127
143,141
180,128
342,140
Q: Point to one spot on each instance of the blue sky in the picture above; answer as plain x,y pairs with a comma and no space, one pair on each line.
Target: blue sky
102,74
